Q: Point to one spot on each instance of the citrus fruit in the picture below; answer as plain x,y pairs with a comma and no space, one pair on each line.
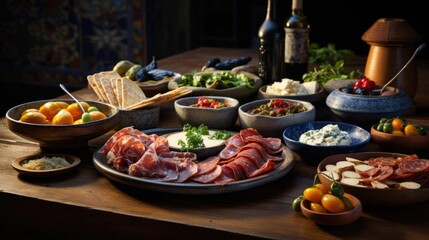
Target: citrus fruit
63,117
50,109
34,117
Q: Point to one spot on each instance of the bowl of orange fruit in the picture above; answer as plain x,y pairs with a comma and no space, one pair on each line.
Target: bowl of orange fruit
400,135
330,206
61,123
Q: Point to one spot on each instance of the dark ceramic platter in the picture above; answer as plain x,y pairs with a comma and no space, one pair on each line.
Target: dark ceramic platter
193,188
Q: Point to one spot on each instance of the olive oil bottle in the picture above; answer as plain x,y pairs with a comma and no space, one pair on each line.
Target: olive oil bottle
271,46
297,41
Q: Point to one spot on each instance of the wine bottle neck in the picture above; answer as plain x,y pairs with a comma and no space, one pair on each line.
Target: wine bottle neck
271,9
296,6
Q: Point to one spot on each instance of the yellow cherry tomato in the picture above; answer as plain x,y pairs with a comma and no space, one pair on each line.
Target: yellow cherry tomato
317,207
313,194
397,124
332,203
322,187
411,130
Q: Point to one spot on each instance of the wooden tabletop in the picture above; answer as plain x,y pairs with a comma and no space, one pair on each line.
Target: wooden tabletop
86,204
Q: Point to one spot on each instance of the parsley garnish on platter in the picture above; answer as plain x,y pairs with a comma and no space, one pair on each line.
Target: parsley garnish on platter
194,137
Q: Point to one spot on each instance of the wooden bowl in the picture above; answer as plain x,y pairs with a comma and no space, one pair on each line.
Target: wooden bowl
374,196
18,163
334,219
408,144
50,136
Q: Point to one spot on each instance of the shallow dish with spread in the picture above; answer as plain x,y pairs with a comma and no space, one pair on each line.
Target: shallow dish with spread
18,163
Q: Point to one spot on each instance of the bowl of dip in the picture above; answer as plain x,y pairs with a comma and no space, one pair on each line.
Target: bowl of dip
271,116
314,141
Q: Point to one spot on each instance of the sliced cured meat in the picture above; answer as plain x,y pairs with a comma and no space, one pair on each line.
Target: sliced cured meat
208,177
108,145
173,155
238,171
125,151
383,161
262,151
207,165
225,177
248,165
232,146
267,167
272,145
383,173
186,168
150,166
414,165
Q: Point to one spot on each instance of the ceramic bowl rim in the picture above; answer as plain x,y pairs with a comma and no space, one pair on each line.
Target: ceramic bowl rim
16,121
242,112
356,144
179,102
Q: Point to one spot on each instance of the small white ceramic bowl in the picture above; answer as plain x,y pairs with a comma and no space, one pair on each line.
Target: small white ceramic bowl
213,118
269,126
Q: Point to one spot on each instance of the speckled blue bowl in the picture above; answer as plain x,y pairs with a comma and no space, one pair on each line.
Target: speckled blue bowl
314,154
364,110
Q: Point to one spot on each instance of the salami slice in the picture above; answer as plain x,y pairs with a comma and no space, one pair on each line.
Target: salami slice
414,165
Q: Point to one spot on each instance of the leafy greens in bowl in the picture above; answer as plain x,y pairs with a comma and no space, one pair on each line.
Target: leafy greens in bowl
242,86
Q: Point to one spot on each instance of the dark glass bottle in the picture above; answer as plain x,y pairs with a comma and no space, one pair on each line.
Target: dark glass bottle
271,46
297,41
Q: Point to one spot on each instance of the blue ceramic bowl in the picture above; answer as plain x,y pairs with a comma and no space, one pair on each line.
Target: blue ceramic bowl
365,110
313,154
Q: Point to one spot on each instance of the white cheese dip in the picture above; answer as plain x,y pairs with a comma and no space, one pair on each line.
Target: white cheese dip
173,139
329,135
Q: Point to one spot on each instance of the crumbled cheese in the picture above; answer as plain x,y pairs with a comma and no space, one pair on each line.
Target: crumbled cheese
45,163
286,87
329,135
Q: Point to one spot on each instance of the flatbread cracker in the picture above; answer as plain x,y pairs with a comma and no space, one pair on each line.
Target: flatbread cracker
119,88
97,80
93,85
108,90
131,92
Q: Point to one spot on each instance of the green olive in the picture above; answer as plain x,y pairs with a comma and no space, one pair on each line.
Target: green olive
122,67
86,117
131,73
92,108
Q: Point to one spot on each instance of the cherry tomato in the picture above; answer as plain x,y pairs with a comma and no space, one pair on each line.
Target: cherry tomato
332,203
296,204
313,194
337,189
411,130
397,124
322,187
317,207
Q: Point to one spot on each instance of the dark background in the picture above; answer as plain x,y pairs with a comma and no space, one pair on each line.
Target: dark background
235,23
175,26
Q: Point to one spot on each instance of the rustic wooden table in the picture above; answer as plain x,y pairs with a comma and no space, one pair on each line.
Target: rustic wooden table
86,204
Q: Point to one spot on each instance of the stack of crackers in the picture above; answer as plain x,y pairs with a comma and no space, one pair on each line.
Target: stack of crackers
124,93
